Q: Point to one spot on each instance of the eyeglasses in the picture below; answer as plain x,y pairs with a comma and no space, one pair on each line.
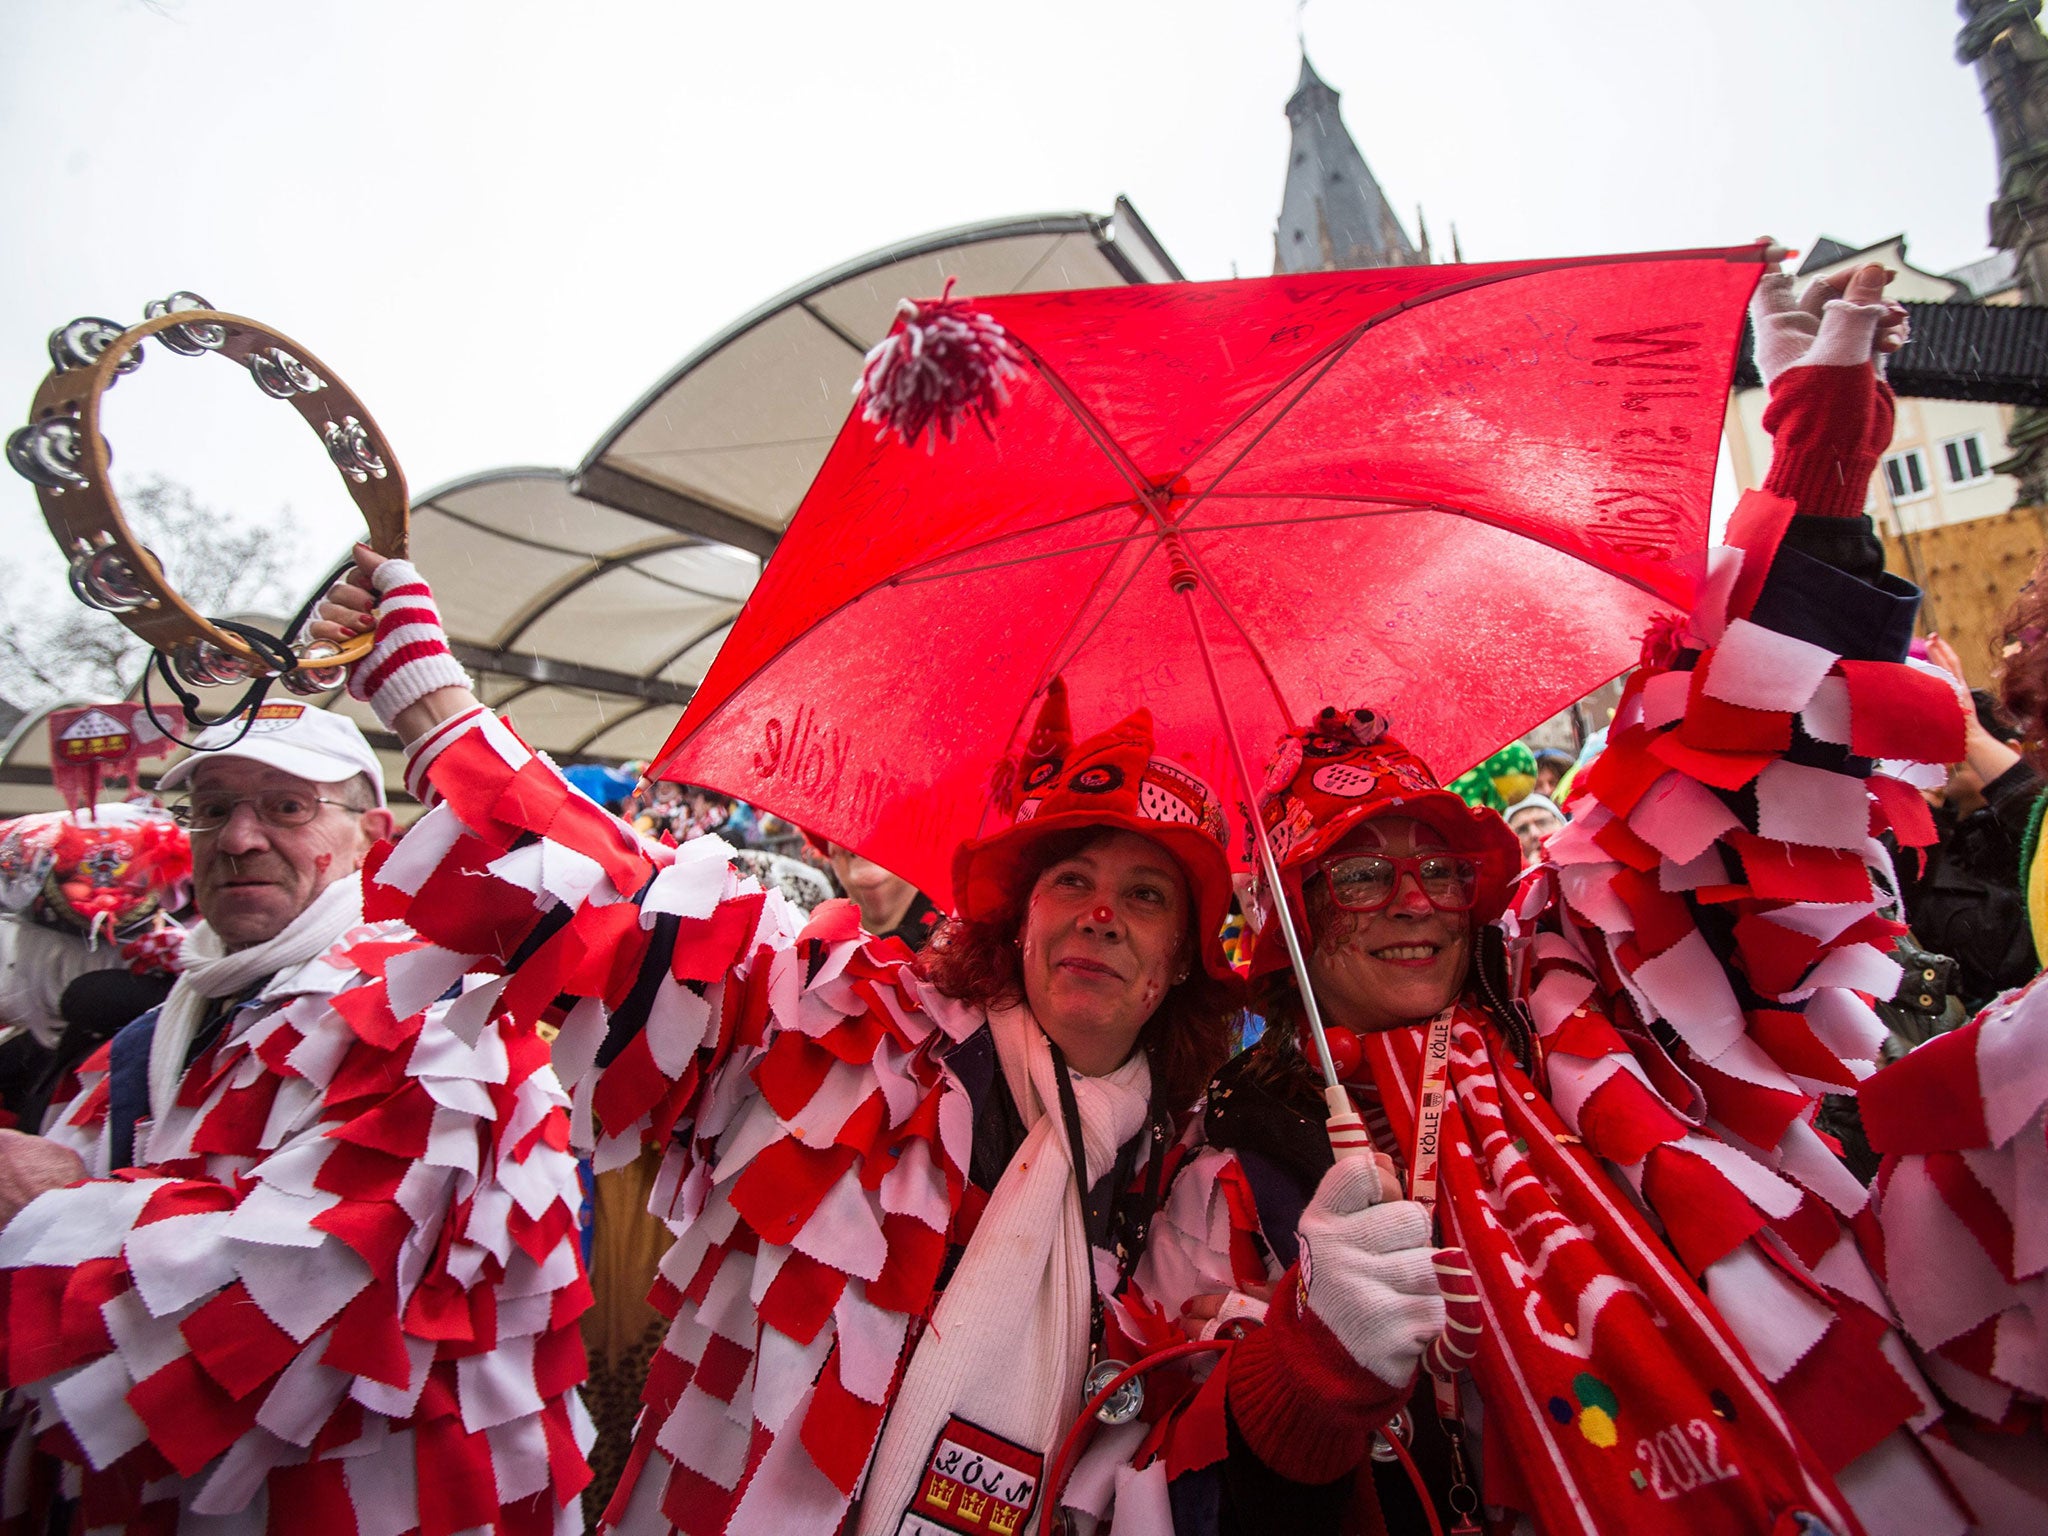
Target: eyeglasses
276,807
1366,882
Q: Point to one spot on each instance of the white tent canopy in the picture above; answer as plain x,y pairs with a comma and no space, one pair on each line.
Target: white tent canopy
588,626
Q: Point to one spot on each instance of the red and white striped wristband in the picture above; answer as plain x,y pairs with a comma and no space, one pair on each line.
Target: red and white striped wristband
411,658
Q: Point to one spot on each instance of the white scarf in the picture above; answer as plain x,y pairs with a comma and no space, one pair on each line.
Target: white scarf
211,971
1008,1344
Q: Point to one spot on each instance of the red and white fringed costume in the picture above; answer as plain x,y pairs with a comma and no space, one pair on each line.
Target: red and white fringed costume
1698,957
800,1077
1700,954
1962,1198
339,1292
1760,986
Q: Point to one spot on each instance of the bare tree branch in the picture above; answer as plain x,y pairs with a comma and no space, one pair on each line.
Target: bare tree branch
52,648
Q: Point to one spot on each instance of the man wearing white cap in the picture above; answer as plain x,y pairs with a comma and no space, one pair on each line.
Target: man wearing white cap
281,818
310,1198
277,817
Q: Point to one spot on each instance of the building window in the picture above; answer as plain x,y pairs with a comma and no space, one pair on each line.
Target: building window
1905,475
1965,460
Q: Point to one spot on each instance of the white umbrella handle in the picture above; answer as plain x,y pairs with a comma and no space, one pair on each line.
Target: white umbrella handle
1348,1135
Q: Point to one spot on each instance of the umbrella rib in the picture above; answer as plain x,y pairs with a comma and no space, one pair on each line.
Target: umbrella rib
921,574
924,570
1269,397
1089,422
1330,360
1209,585
1003,565
1060,647
1069,652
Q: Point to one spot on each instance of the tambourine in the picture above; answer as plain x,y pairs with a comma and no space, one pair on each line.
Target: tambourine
63,453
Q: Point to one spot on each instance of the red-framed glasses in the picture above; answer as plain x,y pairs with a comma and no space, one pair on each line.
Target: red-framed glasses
1366,882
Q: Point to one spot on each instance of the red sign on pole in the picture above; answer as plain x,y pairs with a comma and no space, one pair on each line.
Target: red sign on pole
99,741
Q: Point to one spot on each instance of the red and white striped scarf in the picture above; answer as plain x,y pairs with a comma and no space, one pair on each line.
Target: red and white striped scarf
1616,1399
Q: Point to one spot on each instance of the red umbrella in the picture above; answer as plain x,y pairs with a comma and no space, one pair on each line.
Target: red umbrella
1455,494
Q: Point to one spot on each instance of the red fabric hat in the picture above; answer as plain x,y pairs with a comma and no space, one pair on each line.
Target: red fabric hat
1112,780
1345,769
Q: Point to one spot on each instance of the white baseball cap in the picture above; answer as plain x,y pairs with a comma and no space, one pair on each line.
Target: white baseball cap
316,745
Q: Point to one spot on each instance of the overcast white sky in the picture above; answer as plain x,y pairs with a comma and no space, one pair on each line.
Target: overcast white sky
501,221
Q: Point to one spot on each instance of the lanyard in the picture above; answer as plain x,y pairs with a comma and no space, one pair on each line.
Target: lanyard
1119,1174
1429,1109
1422,1166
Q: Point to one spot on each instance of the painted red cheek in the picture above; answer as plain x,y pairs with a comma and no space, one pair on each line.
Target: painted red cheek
1337,929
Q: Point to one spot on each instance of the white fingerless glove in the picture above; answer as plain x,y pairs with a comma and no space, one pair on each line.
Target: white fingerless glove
1817,329
1368,1271
411,658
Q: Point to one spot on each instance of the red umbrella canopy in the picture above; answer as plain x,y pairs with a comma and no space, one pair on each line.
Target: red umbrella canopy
1456,495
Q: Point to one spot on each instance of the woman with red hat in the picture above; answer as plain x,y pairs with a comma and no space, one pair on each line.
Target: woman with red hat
1667,1306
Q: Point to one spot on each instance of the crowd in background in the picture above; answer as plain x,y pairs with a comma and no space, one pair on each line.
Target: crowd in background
1963,898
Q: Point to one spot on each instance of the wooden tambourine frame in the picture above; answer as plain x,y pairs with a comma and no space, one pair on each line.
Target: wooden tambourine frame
85,517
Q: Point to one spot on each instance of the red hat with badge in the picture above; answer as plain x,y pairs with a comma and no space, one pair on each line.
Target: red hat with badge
1113,780
1344,769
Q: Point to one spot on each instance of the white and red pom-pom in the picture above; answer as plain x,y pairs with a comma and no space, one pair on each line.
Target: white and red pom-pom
942,360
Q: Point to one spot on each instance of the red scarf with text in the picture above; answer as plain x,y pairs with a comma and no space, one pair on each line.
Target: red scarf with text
1615,1399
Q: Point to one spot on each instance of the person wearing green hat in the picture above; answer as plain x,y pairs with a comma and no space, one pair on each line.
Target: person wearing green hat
1507,776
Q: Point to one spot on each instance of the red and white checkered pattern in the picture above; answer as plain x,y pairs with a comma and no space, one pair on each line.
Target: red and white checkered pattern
1963,1124
1708,1118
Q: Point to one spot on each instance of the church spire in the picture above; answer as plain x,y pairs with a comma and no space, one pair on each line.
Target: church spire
1332,213
2002,39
